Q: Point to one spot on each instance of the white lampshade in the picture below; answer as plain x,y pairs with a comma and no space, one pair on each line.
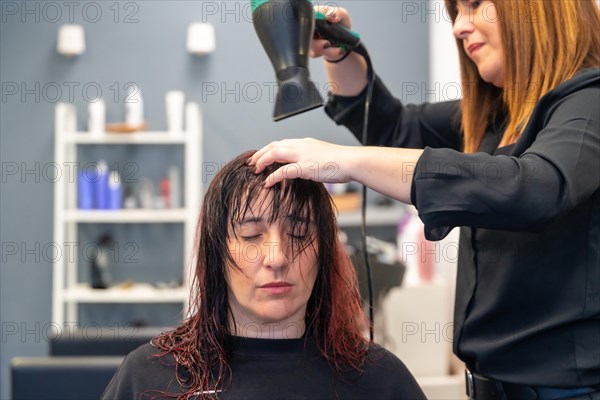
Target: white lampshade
71,40
201,39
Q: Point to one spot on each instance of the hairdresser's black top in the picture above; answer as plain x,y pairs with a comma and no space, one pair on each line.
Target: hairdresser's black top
270,369
528,288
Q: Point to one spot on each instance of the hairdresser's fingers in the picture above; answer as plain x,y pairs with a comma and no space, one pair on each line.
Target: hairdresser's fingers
258,159
283,151
321,47
288,171
279,151
306,158
335,14
318,171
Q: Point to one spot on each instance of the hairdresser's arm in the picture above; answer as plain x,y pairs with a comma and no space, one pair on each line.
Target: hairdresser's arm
389,171
348,77
391,123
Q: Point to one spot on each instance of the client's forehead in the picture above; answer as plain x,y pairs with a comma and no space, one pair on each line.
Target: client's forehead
261,204
256,205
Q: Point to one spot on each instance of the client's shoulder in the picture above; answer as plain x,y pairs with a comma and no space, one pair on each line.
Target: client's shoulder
378,357
380,365
150,356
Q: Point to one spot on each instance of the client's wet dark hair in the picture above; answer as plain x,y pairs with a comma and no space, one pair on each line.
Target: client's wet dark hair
334,316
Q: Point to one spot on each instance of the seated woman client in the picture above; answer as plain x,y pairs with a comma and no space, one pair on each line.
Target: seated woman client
275,311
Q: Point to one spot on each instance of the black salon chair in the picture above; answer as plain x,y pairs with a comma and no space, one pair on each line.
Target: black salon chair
61,378
80,365
106,342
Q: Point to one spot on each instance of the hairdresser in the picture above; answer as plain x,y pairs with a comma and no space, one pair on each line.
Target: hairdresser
515,164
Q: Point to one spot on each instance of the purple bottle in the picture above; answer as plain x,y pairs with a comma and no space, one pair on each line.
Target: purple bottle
85,190
115,191
102,186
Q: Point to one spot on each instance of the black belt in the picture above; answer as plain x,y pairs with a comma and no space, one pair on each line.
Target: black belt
482,388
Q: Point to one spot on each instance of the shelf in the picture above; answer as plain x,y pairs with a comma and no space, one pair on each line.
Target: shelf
141,293
376,216
127,216
156,137
69,289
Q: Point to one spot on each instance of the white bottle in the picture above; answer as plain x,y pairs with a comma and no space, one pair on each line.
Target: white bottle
97,117
175,100
115,191
147,194
134,106
175,188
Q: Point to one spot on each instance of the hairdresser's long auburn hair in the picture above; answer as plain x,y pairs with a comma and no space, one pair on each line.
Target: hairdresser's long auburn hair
545,42
334,316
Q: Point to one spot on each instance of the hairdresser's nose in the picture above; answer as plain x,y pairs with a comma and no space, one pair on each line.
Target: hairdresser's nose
463,26
274,250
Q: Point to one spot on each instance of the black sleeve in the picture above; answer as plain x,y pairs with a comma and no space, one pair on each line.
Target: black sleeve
396,125
142,375
558,171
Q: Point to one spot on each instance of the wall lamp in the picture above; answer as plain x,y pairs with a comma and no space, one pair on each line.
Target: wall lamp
201,39
71,40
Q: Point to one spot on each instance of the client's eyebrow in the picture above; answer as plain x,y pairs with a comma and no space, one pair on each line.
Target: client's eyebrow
256,220
250,220
298,218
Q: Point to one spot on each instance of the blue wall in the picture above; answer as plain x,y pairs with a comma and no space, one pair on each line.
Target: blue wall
145,43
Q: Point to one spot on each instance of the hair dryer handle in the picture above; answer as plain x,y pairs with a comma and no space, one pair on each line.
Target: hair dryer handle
338,35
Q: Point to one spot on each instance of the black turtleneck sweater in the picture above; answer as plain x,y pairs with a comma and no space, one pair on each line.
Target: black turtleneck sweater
270,369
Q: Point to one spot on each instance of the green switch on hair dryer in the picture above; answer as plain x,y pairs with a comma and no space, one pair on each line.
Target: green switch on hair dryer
285,30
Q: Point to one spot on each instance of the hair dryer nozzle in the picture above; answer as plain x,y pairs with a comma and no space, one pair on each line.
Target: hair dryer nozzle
285,29
296,93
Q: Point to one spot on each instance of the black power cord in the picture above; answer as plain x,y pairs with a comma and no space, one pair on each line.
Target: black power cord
339,36
370,84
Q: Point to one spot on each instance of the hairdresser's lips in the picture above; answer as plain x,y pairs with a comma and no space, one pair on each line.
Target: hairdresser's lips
472,48
277,287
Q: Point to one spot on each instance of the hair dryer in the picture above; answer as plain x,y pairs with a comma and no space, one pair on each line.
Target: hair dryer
285,29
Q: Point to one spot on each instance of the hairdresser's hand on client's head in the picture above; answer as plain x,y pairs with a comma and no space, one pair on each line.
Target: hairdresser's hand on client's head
304,158
322,47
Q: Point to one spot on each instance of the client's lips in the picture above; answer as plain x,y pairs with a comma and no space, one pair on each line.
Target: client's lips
277,287
276,284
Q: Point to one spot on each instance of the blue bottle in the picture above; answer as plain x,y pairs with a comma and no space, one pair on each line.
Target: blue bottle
102,186
115,191
85,190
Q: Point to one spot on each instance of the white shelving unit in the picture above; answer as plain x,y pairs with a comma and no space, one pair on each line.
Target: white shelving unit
68,291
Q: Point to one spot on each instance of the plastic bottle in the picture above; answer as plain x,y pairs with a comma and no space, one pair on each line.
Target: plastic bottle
175,188
85,191
414,251
101,186
134,107
115,191
97,117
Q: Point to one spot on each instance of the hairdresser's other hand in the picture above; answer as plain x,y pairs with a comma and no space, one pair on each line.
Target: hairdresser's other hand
348,77
322,47
304,158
